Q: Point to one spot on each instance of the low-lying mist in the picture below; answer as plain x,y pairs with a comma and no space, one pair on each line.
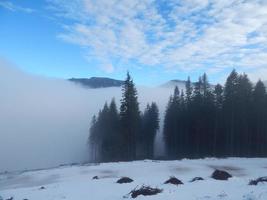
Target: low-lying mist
44,122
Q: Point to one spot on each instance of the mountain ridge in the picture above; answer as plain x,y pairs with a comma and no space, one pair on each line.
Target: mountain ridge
97,82
104,82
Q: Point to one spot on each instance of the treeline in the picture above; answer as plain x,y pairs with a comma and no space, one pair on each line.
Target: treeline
126,134
229,120
202,120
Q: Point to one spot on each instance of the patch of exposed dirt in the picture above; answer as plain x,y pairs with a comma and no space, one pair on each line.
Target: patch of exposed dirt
173,180
258,180
235,171
197,179
221,175
145,191
124,180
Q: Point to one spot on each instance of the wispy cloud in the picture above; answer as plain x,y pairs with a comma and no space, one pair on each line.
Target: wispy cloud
184,35
13,7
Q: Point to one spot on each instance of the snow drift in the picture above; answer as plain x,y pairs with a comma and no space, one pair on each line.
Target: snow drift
76,183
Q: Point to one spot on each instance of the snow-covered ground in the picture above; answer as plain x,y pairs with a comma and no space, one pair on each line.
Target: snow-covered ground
76,183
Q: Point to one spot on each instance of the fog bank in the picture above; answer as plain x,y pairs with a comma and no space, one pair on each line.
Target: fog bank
44,122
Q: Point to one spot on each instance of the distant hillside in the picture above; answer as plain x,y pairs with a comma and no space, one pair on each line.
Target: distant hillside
97,82
103,82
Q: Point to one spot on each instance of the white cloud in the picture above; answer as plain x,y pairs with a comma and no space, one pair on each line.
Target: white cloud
108,68
259,73
185,35
12,7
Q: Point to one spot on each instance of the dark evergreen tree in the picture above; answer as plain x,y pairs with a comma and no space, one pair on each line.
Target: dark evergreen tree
243,138
196,118
218,136
105,138
230,111
188,91
171,124
188,119
259,120
218,93
129,118
150,126
182,122
203,117
103,132
93,139
112,139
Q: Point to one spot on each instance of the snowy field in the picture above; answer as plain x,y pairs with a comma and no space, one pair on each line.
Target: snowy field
76,183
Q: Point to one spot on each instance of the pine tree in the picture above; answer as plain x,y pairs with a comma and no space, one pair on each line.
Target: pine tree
188,118
93,139
218,136
218,93
208,117
183,139
168,129
197,118
103,132
129,117
244,104
172,125
188,91
229,111
112,142
259,121
150,126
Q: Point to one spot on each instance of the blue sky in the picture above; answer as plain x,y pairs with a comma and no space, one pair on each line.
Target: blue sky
155,40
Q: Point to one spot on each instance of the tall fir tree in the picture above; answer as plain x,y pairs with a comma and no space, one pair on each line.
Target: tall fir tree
229,111
188,91
105,139
93,140
243,143
218,136
150,126
129,117
172,124
259,121
113,139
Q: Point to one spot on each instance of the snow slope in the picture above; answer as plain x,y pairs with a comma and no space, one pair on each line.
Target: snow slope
76,183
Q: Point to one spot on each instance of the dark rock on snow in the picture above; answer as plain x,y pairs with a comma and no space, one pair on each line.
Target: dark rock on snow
220,175
258,180
95,177
145,191
173,180
42,188
125,180
197,179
